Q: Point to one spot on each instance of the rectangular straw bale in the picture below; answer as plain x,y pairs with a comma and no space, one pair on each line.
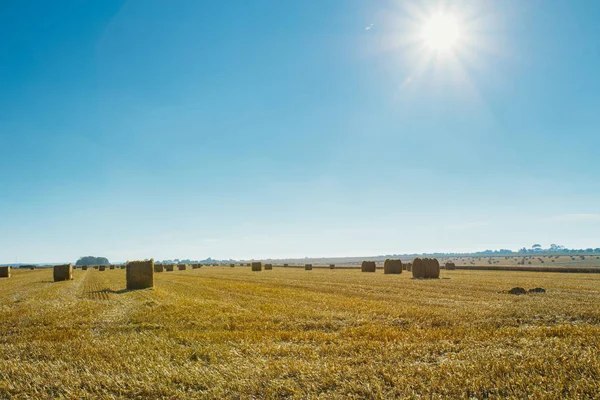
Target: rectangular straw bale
63,272
140,274
5,272
159,268
256,266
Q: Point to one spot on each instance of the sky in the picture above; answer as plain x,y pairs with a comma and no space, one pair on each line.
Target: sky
272,129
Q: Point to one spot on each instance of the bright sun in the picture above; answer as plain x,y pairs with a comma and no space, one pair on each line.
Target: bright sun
441,32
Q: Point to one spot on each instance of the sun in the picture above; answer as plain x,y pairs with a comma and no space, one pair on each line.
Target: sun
441,32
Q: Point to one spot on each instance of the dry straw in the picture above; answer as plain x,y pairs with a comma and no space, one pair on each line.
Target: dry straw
169,267
392,266
256,266
268,267
418,268
308,267
5,272
368,266
426,268
331,266
182,267
63,272
433,268
450,266
159,268
112,267
140,274
101,268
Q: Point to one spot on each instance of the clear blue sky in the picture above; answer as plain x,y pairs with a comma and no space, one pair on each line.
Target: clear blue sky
189,129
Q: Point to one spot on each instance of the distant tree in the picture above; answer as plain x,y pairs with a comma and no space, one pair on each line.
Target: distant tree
536,247
91,260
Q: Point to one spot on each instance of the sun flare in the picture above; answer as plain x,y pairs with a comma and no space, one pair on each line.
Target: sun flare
441,32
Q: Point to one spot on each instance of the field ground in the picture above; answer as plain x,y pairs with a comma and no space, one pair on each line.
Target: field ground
220,332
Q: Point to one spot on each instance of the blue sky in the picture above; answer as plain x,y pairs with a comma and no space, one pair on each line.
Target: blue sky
189,129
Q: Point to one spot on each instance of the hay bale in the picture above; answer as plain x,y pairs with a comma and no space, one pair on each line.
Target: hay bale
101,267
308,267
232,265
331,266
5,272
268,267
169,267
286,265
418,268
123,266
182,267
140,274
368,266
517,291
84,267
392,266
256,266
95,267
409,267
63,272
450,266
159,268
432,268
112,267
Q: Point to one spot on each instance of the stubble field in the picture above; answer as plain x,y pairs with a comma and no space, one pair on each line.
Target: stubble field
220,332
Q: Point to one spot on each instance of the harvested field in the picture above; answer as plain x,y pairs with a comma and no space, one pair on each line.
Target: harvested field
230,333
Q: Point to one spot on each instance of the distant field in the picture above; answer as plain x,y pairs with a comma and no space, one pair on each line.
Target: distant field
587,261
220,332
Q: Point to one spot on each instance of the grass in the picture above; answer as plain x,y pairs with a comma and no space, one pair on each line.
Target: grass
223,332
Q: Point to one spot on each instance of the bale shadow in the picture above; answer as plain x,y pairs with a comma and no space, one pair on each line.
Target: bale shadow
120,291
427,279
109,291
